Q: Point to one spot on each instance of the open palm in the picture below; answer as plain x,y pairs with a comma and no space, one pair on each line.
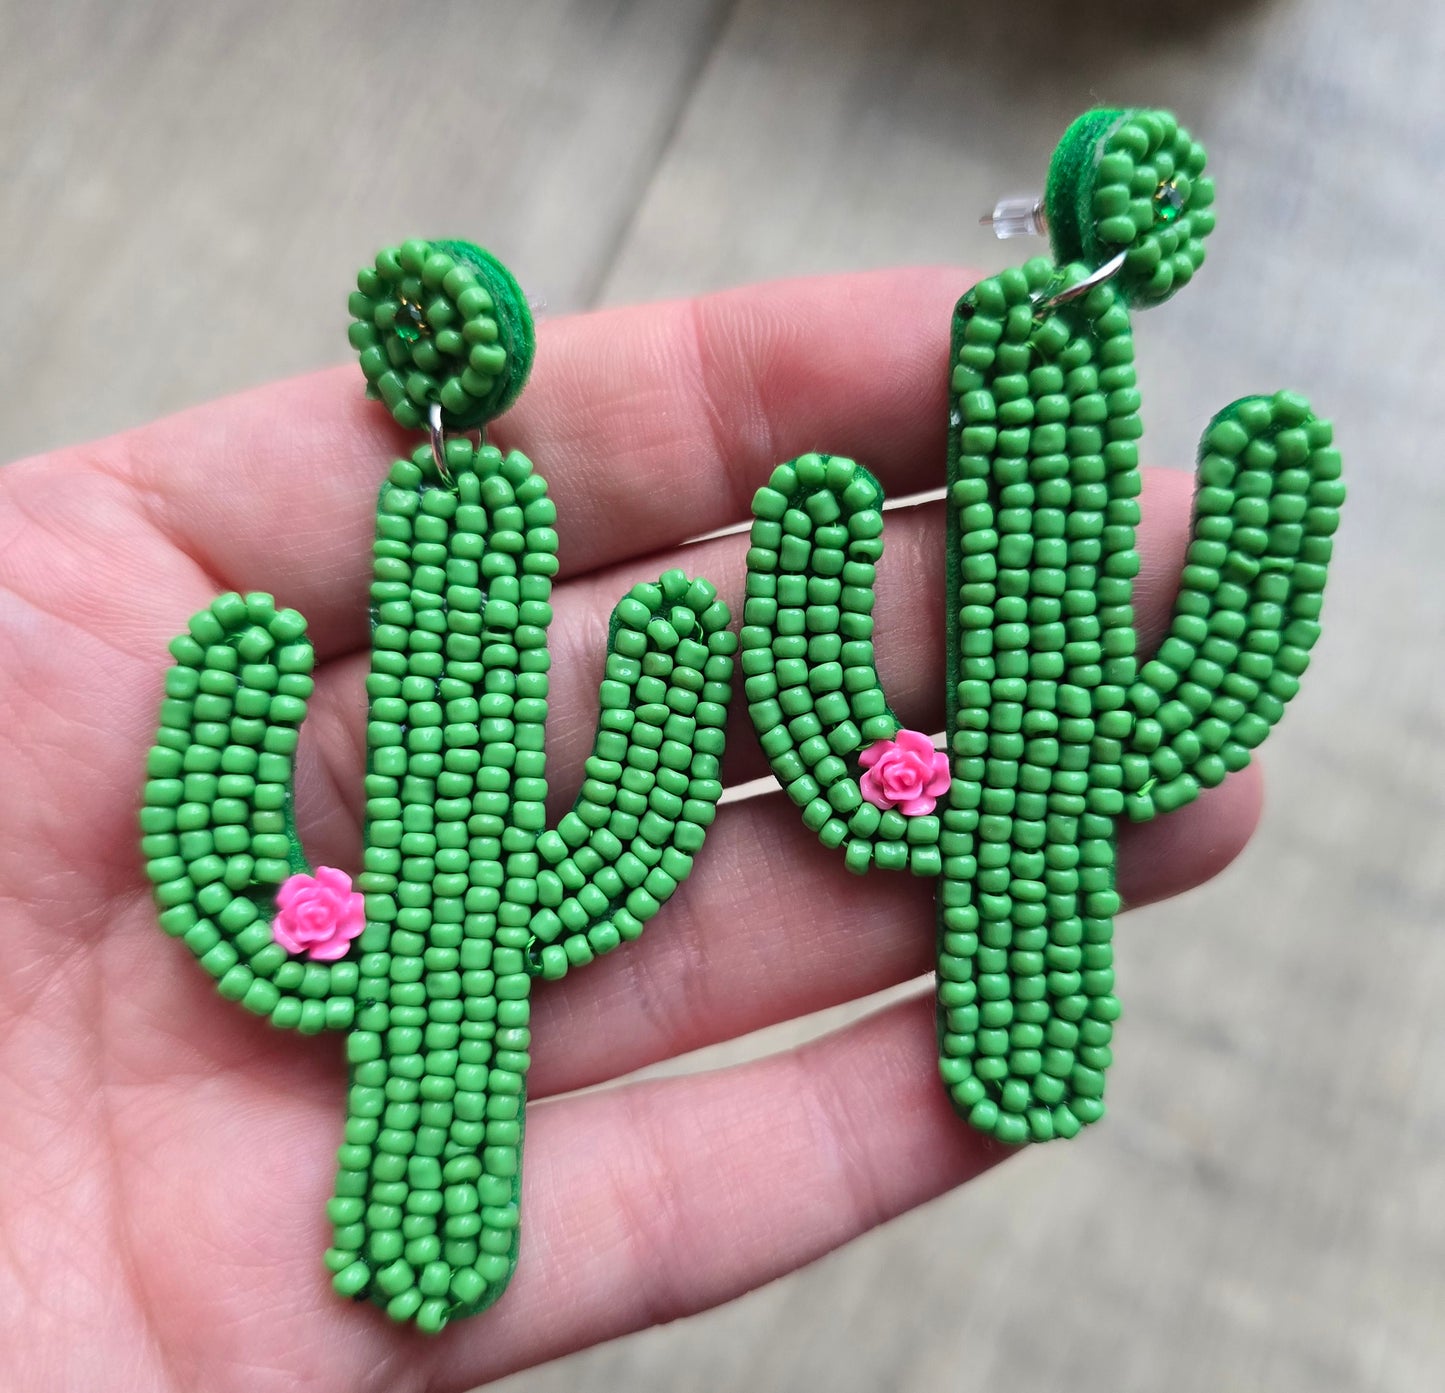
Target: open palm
165,1158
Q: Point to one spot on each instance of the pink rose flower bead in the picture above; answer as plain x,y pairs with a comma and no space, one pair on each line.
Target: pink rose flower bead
318,915
906,773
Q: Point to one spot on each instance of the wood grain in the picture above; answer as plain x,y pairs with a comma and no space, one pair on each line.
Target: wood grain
183,181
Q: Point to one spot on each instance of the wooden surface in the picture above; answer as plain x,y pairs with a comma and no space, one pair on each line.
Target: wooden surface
1265,1208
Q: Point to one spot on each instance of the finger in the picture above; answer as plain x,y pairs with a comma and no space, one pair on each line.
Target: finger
810,936
909,640
80,675
652,424
660,1199
909,625
770,927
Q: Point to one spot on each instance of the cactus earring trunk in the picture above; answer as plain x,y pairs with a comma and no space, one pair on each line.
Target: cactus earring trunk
468,898
1055,726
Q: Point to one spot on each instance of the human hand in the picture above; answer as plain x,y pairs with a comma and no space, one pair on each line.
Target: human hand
167,1157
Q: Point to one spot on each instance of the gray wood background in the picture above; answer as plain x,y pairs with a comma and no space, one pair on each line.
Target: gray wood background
182,183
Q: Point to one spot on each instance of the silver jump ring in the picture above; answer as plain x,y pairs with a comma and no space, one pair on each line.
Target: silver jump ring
439,444
1098,276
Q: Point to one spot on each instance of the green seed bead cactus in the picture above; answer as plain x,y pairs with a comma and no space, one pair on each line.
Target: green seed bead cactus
1055,726
468,897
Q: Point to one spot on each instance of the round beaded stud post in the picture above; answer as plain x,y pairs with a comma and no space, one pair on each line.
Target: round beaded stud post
464,897
1055,727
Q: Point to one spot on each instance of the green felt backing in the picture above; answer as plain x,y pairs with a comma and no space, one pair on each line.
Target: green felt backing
1069,193
517,332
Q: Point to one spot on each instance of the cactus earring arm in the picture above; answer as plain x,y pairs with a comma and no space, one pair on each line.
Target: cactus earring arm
1056,726
465,897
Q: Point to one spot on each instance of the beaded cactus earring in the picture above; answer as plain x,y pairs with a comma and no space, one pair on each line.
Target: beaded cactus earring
465,897
1055,726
